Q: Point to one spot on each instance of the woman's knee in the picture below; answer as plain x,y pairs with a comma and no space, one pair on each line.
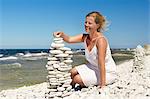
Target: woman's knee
73,72
77,79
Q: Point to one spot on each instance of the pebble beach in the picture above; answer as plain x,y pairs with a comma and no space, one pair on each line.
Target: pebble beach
132,83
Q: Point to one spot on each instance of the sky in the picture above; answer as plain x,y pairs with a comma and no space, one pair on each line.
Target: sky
31,23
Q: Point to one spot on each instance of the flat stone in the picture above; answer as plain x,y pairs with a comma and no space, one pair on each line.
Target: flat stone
62,55
50,68
56,65
61,79
59,75
55,45
68,52
68,61
58,94
61,89
52,58
63,69
69,88
62,63
66,85
67,75
70,56
68,81
52,62
65,48
58,38
67,94
54,84
56,51
51,76
59,41
52,90
52,72
53,80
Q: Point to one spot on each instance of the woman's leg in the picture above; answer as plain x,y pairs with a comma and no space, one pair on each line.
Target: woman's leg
77,79
73,72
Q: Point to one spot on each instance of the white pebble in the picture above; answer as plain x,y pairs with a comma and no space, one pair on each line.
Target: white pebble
62,55
61,89
65,48
54,45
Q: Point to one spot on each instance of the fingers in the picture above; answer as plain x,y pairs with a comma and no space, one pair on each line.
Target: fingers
57,34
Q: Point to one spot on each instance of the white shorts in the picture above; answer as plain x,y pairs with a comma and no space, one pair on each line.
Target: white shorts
92,76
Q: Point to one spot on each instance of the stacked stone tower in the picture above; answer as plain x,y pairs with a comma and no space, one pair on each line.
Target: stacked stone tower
138,62
58,66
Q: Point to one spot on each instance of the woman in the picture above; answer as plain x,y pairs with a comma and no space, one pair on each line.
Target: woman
101,69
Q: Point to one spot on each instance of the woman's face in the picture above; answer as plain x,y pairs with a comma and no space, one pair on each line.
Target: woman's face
90,25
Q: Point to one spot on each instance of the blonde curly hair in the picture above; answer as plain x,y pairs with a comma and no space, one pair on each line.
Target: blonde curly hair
99,19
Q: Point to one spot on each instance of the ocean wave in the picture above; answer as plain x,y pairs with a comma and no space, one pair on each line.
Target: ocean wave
12,65
35,54
19,54
8,58
1,55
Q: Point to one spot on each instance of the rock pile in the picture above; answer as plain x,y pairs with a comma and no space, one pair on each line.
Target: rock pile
147,49
58,66
138,64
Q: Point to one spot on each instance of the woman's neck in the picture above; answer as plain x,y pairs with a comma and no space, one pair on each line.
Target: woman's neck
94,35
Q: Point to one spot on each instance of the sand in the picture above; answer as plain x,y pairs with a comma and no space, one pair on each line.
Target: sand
129,85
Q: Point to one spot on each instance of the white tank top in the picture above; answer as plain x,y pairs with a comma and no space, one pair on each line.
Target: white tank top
92,58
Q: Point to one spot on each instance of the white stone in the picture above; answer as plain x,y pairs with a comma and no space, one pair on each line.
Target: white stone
67,75
68,81
50,68
53,80
52,90
65,48
59,75
55,45
62,55
61,89
47,66
54,84
66,85
69,88
62,63
56,51
58,39
68,61
58,94
56,65
52,62
63,69
67,94
52,72
51,76
68,52
52,58
61,79
70,56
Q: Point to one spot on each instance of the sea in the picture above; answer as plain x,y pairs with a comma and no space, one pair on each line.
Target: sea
25,67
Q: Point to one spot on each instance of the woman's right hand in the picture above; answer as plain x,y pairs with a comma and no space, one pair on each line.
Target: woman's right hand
58,34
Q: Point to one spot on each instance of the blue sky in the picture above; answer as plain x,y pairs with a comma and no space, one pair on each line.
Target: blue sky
30,23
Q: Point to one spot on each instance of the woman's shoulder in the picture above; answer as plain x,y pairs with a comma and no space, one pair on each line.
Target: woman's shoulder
101,41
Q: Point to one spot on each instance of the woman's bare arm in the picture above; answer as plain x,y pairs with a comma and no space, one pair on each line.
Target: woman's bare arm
70,39
101,46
